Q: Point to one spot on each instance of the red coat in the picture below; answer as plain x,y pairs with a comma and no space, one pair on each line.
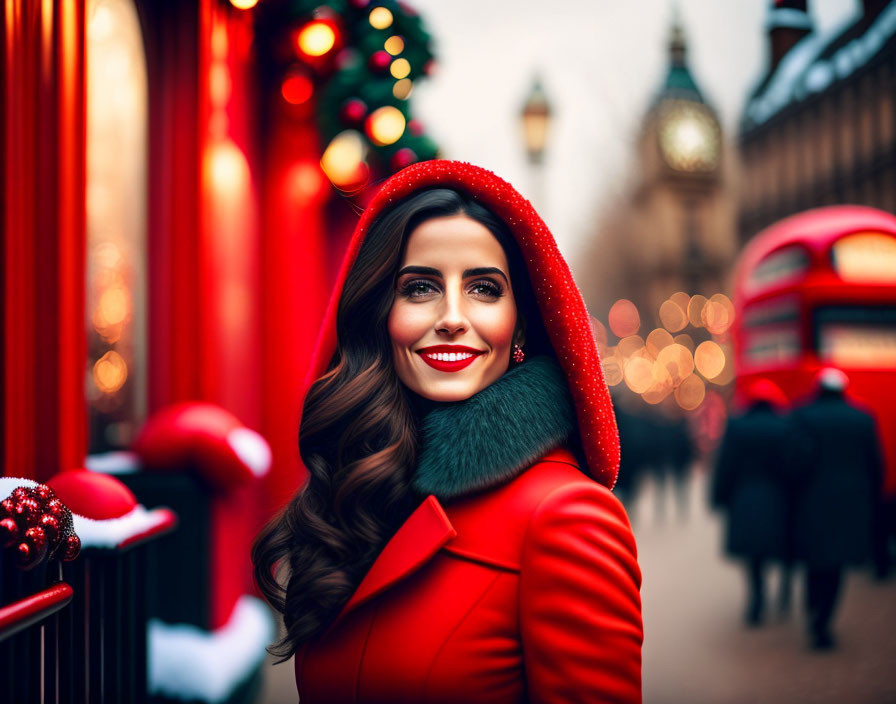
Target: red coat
527,592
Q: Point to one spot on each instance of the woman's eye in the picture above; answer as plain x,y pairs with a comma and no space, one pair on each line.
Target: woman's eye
486,289
418,288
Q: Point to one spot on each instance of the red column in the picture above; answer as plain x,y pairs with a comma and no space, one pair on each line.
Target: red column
44,348
296,286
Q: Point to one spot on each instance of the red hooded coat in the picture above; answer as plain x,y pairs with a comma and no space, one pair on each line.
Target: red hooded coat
527,591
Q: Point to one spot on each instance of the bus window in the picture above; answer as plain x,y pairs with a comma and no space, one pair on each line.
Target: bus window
782,266
867,256
771,333
856,337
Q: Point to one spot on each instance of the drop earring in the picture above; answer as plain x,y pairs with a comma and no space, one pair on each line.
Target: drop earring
518,354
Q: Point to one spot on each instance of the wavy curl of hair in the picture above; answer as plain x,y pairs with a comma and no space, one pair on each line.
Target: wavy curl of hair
358,434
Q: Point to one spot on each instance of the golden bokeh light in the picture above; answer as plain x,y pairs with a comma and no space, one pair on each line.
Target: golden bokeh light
672,316
630,345
114,306
110,372
657,340
244,4
343,159
709,359
690,392
681,299
623,318
726,376
380,18
684,340
394,45
612,367
695,310
402,89
661,386
386,125
400,68
316,38
678,361
718,314
638,373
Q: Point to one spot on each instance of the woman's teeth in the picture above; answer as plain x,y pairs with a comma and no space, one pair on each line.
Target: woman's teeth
450,356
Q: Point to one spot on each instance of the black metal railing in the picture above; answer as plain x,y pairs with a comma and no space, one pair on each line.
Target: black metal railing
76,632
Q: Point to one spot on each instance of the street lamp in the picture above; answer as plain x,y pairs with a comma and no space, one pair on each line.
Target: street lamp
536,116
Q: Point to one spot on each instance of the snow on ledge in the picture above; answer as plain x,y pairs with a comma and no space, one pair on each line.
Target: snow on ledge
121,462
115,532
188,663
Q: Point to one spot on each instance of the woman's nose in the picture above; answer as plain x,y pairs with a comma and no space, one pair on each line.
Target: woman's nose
452,319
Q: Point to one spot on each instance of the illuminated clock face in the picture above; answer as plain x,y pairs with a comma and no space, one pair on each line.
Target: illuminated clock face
689,137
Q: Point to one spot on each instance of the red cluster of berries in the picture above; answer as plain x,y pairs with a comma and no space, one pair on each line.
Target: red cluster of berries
38,525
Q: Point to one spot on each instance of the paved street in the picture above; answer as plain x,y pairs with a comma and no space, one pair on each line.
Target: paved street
696,649
697,652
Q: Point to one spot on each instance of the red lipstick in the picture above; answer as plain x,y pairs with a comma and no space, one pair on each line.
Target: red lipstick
449,358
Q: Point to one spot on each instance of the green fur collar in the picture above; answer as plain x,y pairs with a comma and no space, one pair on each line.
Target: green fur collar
491,437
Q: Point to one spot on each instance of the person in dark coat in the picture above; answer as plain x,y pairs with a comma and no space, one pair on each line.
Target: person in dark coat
752,482
837,499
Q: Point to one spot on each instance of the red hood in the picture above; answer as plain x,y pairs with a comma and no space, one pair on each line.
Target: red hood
559,300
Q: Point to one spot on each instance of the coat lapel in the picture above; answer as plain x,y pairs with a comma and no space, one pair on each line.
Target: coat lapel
420,537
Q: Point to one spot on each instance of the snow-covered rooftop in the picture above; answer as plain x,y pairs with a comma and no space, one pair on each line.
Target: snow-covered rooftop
808,69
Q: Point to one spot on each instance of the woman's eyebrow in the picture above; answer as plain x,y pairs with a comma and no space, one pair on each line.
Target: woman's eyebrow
422,270
485,270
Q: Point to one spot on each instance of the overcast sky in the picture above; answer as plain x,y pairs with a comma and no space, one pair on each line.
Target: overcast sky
601,62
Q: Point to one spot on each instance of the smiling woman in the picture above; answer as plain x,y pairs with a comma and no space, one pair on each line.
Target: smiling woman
454,317
456,539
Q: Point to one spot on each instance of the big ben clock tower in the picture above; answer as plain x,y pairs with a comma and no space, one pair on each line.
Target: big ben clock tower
677,230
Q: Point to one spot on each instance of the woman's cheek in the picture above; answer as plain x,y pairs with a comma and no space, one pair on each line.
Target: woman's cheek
407,324
496,325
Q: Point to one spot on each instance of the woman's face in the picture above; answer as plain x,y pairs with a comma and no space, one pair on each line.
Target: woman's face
453,320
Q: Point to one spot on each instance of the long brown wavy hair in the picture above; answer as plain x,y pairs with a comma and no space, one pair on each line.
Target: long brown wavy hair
358,435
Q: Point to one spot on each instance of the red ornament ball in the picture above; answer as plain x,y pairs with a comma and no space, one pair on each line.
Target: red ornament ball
415,127
50,525
7,508
19,493
71,547
353,112
25,553
43,493
28,511
380,61
9,532
56,508
36,538
402,158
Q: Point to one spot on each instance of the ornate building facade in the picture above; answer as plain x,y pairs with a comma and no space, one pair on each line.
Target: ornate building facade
820,127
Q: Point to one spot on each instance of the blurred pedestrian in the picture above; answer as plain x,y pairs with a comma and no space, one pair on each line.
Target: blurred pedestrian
837,499
754,475
634,441
680,455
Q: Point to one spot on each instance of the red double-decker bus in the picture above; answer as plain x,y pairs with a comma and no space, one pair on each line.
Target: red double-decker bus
818,289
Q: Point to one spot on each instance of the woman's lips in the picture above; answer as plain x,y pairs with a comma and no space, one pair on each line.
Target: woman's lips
447,358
